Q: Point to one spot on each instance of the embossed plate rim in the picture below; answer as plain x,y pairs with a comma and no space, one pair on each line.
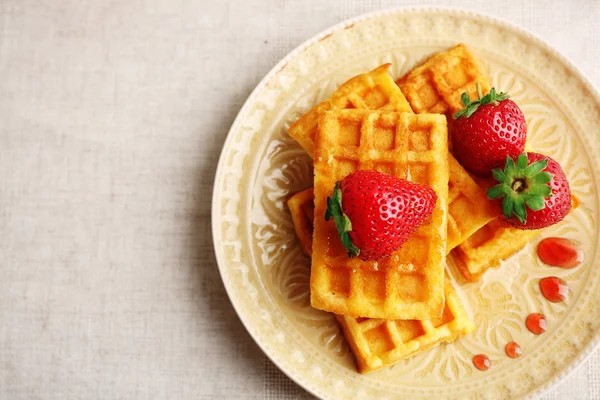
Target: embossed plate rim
584,353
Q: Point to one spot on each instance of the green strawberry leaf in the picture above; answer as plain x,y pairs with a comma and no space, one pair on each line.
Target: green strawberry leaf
502,96
542,177
536,203
540,190
465,99
471,106
498,174
535,168
509,167
519,209
497,191
522,161
341,220
507,206
546,191
521,186
459,114
486,99
470,110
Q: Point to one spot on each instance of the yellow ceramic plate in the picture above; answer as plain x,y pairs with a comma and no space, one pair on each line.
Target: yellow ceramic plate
267,276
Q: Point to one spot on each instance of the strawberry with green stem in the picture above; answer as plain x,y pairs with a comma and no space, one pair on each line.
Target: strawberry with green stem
375,213
487,130
534,191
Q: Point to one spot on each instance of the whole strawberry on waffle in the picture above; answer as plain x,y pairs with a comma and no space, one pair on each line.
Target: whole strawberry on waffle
534,190
486,131
379,212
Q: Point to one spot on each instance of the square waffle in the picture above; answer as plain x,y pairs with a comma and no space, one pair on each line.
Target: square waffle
437,85
375,90
409,283
377,343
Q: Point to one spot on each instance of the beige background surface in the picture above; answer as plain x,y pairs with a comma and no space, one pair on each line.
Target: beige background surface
112,117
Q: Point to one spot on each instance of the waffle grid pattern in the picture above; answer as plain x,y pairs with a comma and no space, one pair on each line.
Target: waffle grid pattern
375,90
437,85
377,343
409,283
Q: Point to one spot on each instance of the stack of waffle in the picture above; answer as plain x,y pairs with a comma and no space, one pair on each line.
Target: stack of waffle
395,307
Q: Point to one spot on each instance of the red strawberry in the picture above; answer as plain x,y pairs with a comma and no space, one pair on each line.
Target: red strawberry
537,183
378,213
486,131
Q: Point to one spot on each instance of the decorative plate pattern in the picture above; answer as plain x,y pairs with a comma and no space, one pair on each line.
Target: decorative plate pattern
267,276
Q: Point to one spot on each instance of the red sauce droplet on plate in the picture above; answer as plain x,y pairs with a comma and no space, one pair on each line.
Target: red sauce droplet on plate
559,252
554,289
536,323
482,362
513,350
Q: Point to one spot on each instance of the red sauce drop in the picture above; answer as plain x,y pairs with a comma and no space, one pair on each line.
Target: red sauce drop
559,252
554,289
513,350
536,323
482,362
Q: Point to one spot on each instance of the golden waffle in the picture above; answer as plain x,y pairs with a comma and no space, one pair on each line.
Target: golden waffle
494,242
437,85
377,343
375,90
409,283
302,208
485,249
468,206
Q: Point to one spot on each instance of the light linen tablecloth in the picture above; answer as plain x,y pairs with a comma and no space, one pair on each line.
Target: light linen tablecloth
112,117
